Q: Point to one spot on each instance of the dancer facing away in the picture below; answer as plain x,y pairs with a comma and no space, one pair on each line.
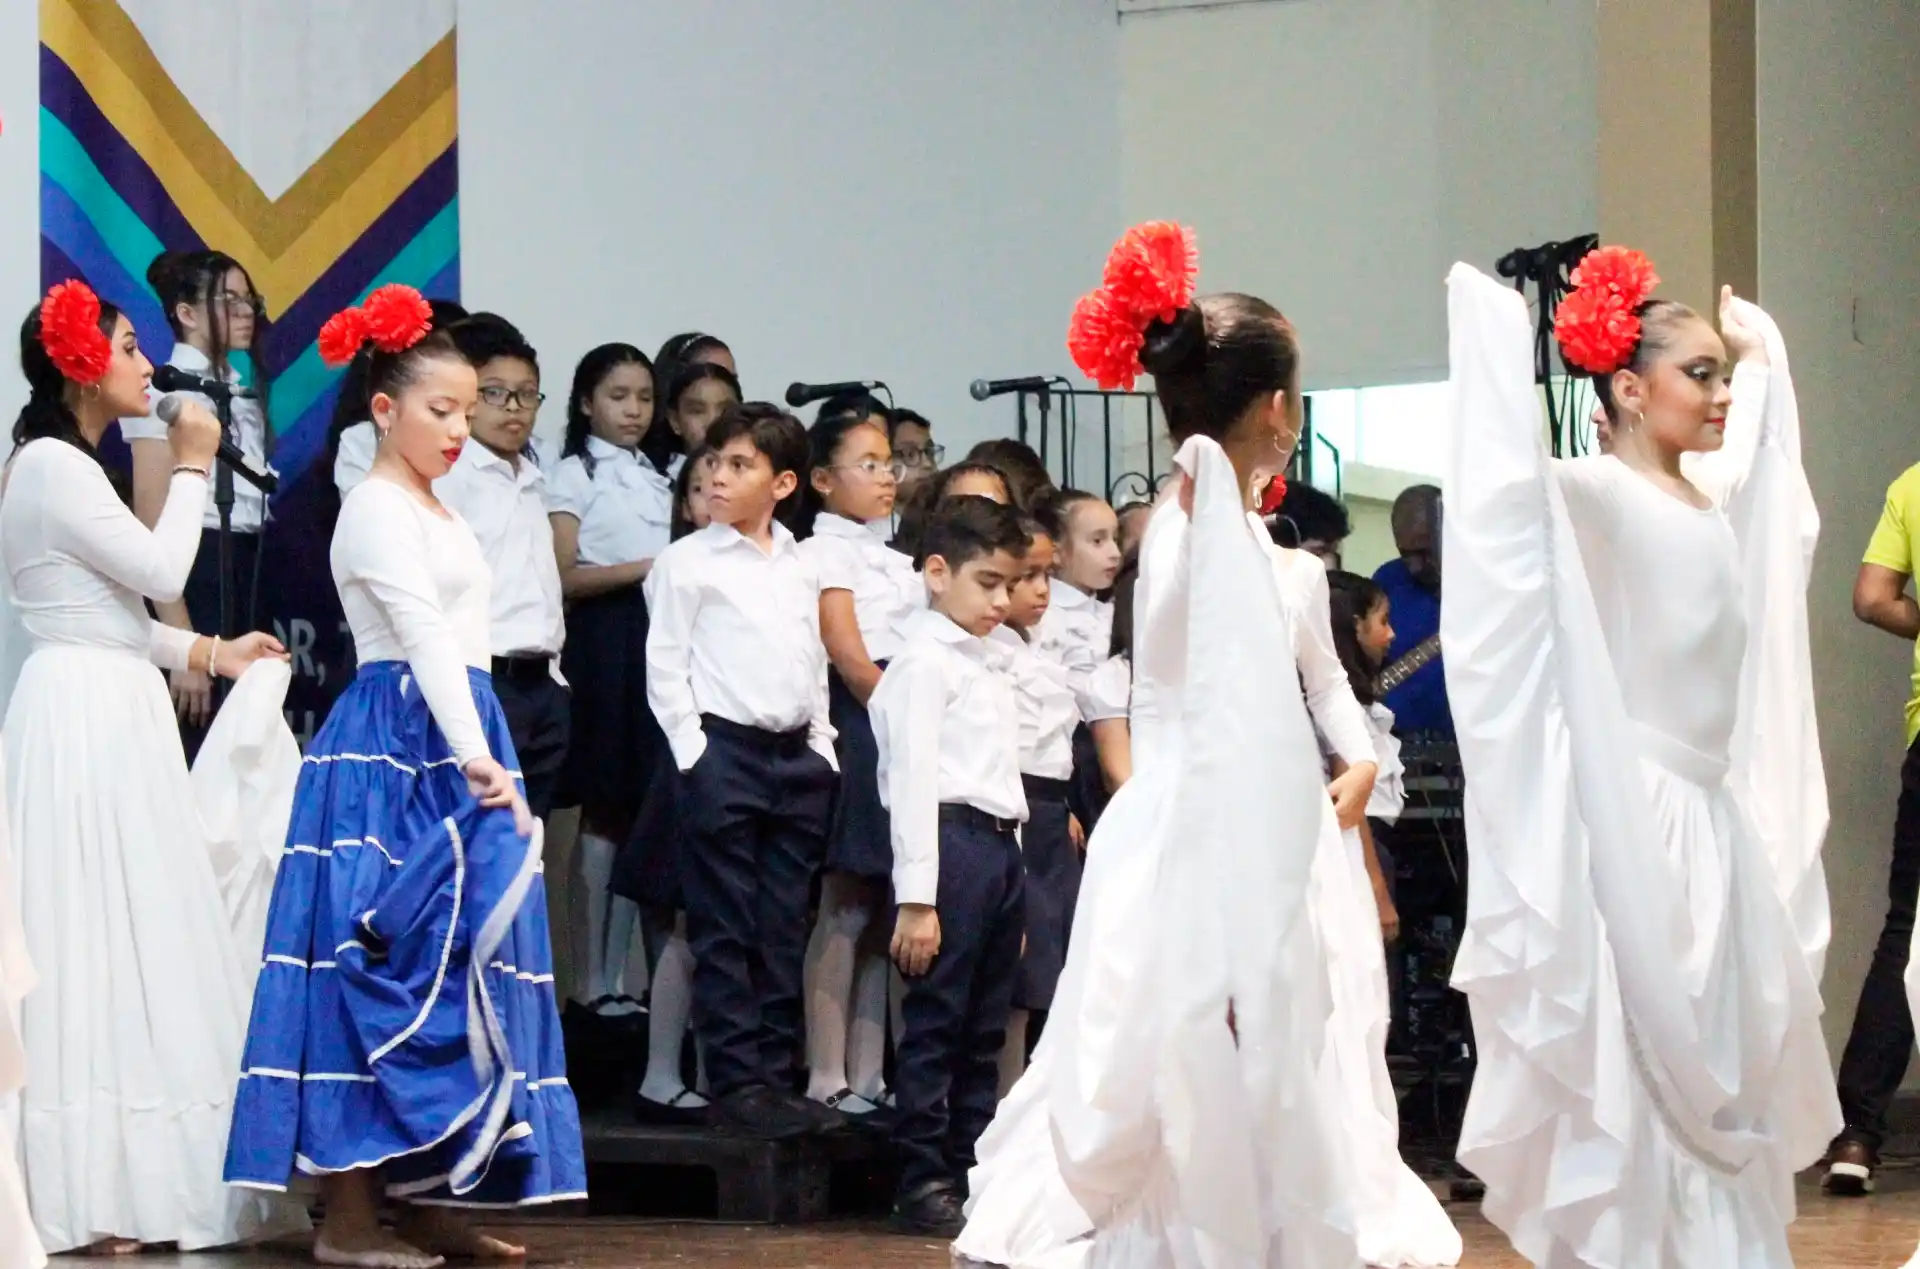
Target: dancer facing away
404,1037
1175,1113
133,1036
1647,912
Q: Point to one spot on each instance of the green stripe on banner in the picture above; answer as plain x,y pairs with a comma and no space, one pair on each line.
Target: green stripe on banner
66,162
306,377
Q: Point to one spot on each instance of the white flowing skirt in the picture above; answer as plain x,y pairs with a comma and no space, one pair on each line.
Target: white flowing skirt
1399,1224
1588,1160
134,1032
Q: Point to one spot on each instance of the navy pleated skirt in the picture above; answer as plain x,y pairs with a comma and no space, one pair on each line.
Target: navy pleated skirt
404,1016
860,838
615,741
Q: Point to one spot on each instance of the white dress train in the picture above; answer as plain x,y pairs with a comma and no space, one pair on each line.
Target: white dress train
1399,1224
1145,1135
1645,807
133,1033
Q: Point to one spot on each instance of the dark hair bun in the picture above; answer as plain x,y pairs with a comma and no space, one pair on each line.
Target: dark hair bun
1175,347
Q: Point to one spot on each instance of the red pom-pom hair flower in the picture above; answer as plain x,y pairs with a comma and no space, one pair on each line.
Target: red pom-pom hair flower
398,317
70,332
1275,495
1149,277
342,336
1596,323
1105,341
1151,270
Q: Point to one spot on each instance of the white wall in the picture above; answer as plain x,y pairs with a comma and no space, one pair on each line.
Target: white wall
840,188
1336,156
1840,271
19,188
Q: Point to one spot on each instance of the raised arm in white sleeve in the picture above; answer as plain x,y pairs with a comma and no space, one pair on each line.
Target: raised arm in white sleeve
95,527
382,545
1330,700
673,600
907,713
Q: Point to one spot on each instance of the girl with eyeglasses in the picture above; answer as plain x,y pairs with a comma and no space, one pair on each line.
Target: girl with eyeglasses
866,588
215,314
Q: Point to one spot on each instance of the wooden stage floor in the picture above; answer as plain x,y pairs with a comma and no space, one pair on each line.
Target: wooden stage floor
1874,1233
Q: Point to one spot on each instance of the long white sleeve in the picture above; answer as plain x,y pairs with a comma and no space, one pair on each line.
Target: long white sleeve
672,603
91,524
1330,700
170,647
354,459
382,546
907,711
820,730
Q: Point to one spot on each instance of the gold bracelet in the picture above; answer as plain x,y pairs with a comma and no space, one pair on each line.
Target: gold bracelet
213,655
185,468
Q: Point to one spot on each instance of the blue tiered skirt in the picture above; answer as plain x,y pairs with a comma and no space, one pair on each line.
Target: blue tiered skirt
404,1016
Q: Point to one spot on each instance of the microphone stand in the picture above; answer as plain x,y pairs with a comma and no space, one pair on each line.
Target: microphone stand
223,474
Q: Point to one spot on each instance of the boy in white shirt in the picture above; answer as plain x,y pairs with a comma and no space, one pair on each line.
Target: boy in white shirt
737,677
947,726
500,492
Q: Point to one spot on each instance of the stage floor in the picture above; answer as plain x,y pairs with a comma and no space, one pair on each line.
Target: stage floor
1874,1233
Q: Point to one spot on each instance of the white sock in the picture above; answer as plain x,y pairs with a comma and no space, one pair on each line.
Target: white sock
596,869
667,1019
867,1037
845,909
623,915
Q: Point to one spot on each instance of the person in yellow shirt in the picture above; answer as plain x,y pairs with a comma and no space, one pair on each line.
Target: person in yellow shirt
1875,1060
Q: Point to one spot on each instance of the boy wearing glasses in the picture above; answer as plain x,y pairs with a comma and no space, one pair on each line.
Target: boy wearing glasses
499,491
737,677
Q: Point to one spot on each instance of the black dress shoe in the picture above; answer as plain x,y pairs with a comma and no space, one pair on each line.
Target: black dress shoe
759,1111
932,1211
822,1118
672,1114
877,1120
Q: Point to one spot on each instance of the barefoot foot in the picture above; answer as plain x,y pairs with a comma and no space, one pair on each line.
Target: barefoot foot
447,1233
375,1250
115,1247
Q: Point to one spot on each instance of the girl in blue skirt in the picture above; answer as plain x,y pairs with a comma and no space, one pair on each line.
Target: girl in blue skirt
404,1040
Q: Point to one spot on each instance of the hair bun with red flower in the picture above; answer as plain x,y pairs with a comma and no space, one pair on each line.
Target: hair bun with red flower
71,335
1598,323
394,318
1149,277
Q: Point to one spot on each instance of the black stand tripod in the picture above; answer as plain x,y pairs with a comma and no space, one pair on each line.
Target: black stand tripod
227,465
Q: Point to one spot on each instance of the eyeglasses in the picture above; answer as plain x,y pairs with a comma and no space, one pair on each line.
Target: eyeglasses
245,302
500,398
920,456
873,468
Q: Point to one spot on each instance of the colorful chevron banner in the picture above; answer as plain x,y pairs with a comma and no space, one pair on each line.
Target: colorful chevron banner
316,144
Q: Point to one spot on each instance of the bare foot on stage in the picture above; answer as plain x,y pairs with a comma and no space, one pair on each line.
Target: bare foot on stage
115,1247
376,1249
447,1233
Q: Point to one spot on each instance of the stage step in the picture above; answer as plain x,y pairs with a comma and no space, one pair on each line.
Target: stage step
757,1182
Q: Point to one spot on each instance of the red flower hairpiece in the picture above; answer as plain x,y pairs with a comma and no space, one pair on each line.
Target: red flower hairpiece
1149,277
70,332
395,318
1596,324
1275,495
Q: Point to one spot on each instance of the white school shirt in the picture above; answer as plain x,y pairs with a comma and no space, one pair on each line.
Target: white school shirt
734,631
1047,706
623,502
354,459
1108,691
505,505
414,588
947,725
885,587
1076,632
250,433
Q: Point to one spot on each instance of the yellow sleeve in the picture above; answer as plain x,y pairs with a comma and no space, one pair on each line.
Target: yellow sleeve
1892,545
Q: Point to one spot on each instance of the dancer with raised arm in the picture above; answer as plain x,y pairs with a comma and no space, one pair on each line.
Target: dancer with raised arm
1626,647
405,1040
133,1034
1175,1113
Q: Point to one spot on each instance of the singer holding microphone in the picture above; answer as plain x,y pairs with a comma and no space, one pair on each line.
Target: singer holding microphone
133,1035
212,308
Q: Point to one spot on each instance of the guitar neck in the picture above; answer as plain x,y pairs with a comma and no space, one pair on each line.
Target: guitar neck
1406,667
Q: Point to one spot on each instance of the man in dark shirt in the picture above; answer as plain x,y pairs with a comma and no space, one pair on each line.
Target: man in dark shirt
1412,583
